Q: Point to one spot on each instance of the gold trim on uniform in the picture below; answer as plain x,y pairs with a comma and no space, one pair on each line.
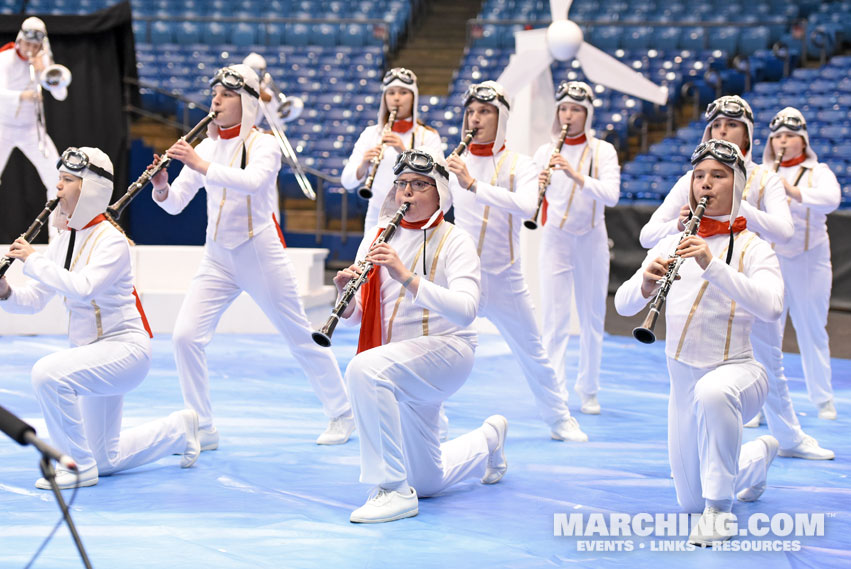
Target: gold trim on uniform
494,180
579,168
252,138
511,175
431,273
98,320
733,303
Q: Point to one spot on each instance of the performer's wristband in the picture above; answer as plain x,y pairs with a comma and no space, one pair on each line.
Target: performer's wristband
408,281
472,186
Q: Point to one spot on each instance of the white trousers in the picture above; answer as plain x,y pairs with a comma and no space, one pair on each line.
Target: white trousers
564,257
808,278
705,411
396,392
506,302
26,140
262,268
81,391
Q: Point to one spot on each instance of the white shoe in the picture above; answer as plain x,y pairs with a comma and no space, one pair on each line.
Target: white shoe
809,449
386,506
755,422
338,432
714,526
590,405
827,410
67,479
497,465
193,445
752,493
208,438
443,425
568,430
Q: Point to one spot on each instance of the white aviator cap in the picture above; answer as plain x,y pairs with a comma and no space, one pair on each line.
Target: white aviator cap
95,168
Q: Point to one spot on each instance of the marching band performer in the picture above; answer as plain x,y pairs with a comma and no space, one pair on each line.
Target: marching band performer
585,180
730,277
81,389
764,205
244,251
494,190
813,192
21,122
416,348
398,91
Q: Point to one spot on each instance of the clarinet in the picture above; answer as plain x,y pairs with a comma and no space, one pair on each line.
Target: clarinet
644,333
323,335
462,146
365,191
115,209
779,158
31,232
542,188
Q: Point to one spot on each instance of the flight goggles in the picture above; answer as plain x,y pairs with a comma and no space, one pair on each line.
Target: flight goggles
406,76
721,150
230,79
789,121
574,91
485,94
419,162
76,160
732,107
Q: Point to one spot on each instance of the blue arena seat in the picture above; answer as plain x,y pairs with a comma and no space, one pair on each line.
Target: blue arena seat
243,34
188,32
161,33
214,33
693,39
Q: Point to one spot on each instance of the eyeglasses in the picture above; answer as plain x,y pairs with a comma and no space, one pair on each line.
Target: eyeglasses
485,94
733,107
230,79
574,91
721,150
416,185
406,76
76,160
418,161
36,36
789,121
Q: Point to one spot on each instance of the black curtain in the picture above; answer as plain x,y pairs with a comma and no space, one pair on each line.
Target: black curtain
99,50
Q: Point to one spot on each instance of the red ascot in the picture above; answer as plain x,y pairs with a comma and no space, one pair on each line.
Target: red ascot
402,126
421,223
230,132
576,140
370,299
794,161
483,149
709,227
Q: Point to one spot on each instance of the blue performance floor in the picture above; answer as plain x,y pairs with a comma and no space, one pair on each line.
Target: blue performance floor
270,497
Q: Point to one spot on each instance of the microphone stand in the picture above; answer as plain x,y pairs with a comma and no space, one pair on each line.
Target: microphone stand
50,475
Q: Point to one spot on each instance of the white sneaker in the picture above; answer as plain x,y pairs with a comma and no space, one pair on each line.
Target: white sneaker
386,506
193,445
827,410
497,465
568,430
714,526
338,432
67,479
208,438
752,493
755,422
809,449
590,405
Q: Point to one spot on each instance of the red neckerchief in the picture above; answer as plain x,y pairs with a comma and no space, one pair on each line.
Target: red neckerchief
575,140
483,149
230,132
402,125
370,297
419,224
95,221
794,161
709,227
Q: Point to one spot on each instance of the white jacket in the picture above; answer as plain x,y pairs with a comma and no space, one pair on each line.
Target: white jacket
98,288
240,202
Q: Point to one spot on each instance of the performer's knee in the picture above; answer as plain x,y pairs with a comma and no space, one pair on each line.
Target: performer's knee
709,394
185,336
43,376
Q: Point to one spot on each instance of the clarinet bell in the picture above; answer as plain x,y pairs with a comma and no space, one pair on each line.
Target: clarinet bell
322,338
364,192
644,335
530,224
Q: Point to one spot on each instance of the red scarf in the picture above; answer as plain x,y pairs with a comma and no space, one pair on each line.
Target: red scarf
402,126
419,224
709,227
794,161
370,299
95,221
483,149
576,140
230,132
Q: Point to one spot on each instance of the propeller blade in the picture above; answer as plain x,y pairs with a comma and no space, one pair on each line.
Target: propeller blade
559,9
600,67
523,69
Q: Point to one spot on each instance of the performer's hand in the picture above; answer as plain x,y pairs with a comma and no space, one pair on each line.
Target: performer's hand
697,248
685,212
29,96
385,256
657,269
160,180
394,140
20,249
559,162
342,278
38,61
792,191
183,151
366,164
458,167
5,288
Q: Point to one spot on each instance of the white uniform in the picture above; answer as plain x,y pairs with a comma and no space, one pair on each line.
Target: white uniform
506,194
417,136
575,244
81,390
243,252
807,274
715,381
428,344
18,122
